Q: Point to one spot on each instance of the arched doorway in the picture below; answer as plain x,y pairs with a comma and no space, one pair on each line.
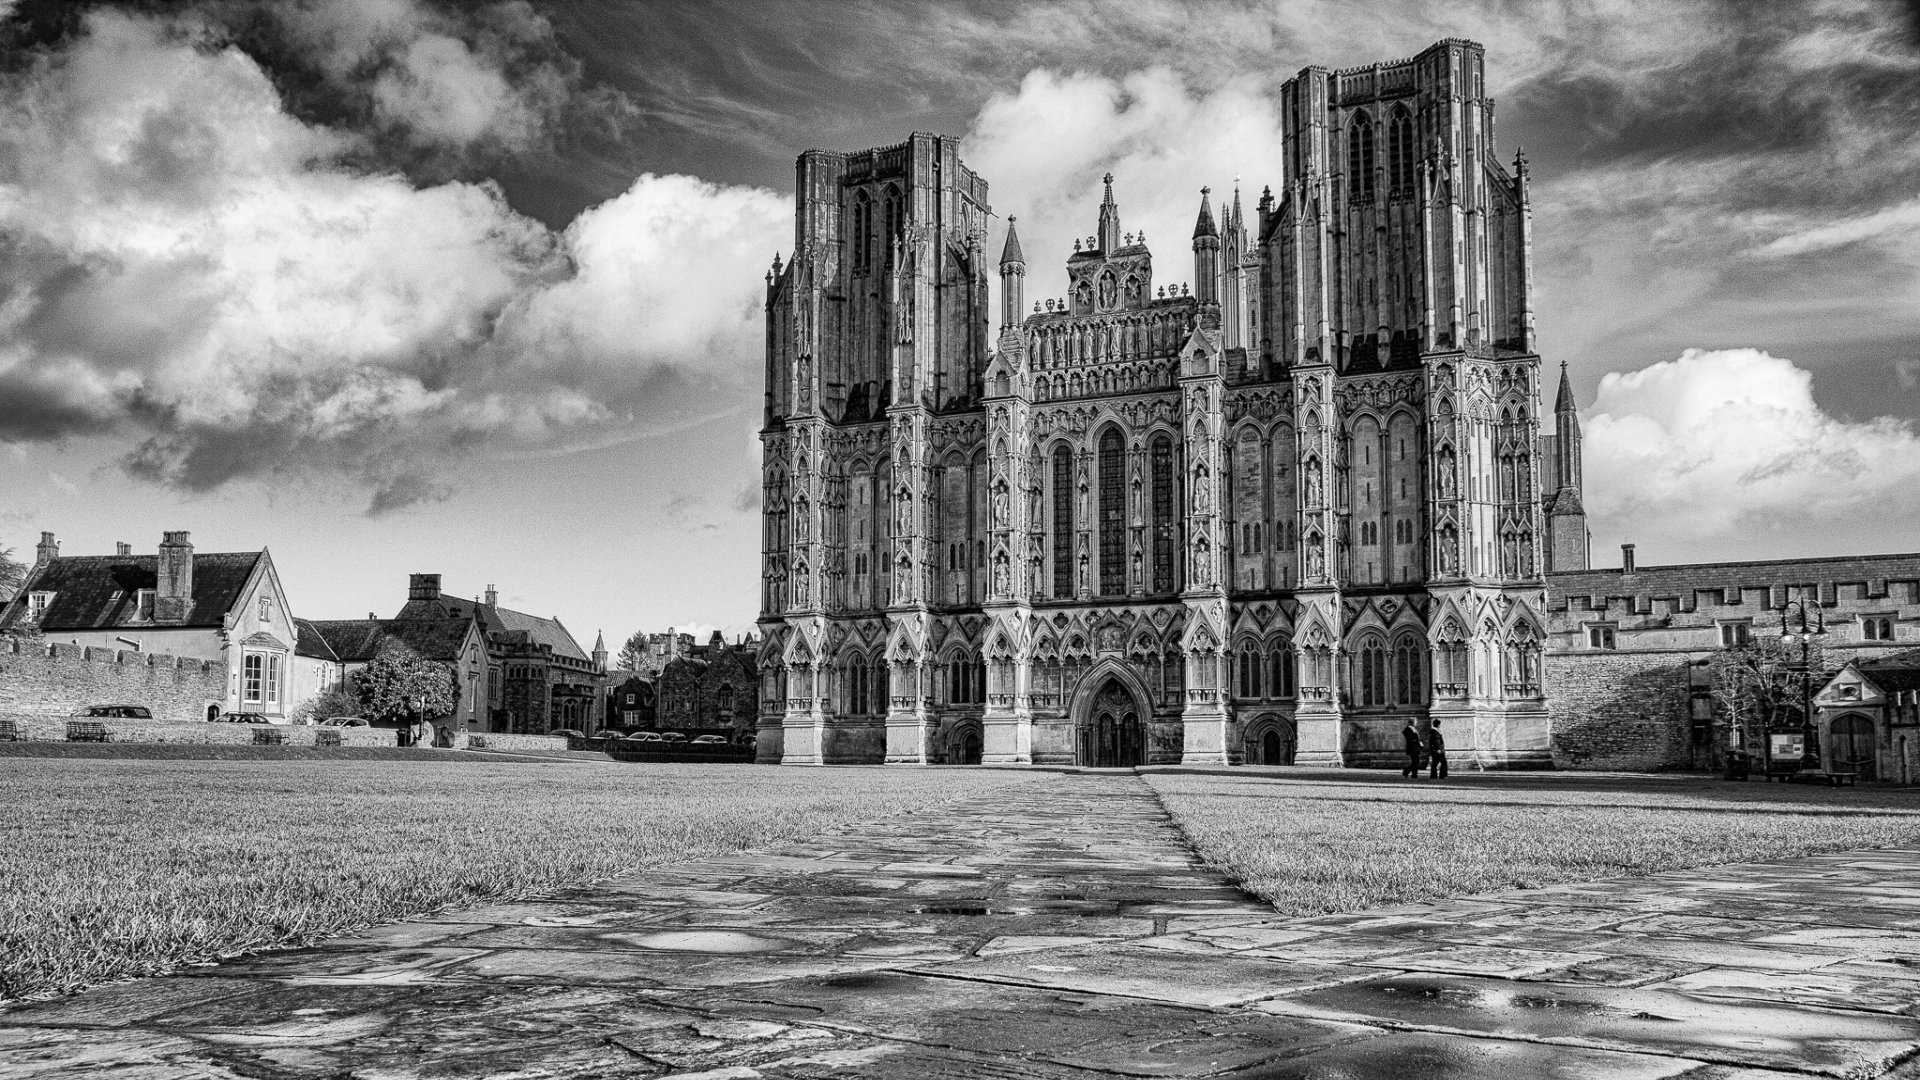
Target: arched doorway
1270,748
1851,748
1269,741
1113,735
970,748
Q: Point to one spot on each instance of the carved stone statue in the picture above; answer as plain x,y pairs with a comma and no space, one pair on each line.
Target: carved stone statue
1000,505
1000,574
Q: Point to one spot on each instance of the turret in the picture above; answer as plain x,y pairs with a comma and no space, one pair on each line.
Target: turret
1013,272
1566,436
600,650
1206,254
1568,547
1109,220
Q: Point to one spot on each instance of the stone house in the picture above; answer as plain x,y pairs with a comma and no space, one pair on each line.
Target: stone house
457,643
713,689
1868,718
536,677
630,700
225,608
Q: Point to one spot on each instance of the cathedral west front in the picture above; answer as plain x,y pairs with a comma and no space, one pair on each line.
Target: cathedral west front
1267,517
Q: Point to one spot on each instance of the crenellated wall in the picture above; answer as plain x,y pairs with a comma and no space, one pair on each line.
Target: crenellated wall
46,678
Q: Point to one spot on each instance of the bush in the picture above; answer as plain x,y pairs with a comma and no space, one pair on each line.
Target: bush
337,700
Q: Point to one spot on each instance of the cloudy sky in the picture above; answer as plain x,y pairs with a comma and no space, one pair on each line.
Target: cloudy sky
411,285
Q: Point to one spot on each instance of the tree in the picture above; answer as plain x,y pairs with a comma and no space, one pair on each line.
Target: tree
1757,686
389,685
633,654
13,573
336,700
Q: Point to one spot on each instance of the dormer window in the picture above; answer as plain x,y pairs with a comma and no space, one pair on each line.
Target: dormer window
37,604
143,606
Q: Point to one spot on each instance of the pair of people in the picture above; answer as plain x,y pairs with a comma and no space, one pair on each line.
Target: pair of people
1434,748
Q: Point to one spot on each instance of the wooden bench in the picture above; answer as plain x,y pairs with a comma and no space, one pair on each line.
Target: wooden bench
10,732
267,736
87,731
326,737
1839,777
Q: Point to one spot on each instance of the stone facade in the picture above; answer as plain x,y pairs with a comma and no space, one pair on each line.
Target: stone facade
40,678
534,676
1268,517
1868,719
710,689
1628,648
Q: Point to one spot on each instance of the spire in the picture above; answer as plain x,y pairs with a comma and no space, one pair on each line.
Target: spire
1238,220
1204,226
1109,220
1563,401
1011,254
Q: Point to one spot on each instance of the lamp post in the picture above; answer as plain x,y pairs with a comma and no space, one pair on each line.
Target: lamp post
1809,750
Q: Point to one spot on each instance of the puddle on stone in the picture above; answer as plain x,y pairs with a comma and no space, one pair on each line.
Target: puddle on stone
968,909
706,941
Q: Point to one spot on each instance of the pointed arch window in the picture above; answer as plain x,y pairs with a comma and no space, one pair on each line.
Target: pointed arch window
1360,158
862,232
1113,524
1280,669
1372,673
1161,464
1409,667
1400,152
895,215
1248,682
1062,521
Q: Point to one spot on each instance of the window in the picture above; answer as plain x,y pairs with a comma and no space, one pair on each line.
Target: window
1876,628
253,678
1409,688
1736,634
1600,637
1360,158
1280,678
1162,466
1372,674
1400,172
1062,522
1113,526
273,679
37,605
266,610
723,699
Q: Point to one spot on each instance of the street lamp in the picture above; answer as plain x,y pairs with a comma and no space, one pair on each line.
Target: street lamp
1809,748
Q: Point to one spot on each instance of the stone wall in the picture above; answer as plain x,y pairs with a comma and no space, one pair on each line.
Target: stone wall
53,679
53,728
1625,711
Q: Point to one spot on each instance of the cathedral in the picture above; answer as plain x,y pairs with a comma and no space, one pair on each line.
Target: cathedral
1269,517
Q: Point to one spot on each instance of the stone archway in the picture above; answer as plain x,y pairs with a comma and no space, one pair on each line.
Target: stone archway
1270,741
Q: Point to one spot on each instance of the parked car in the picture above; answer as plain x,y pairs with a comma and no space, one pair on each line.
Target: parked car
244,718
672,736
606,733
710,740
568,733
124,712
644,736
344,721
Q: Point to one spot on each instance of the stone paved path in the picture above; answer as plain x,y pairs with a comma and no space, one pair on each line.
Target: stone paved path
1060,929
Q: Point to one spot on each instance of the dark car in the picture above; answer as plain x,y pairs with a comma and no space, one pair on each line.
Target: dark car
672,736
124,712
244,718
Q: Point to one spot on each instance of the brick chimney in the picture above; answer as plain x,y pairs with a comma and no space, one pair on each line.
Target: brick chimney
48,550
423,586
173,592
1626,558
121,547
493,598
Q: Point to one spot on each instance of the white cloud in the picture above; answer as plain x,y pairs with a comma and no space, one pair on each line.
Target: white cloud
1892,223
1708,451
185,260
1162,139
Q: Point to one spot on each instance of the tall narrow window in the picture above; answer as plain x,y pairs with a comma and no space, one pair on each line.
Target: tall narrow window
1113,515
1360,158
1163,527
1062,522
1373,673
1400,151
273,679
253,678
895,217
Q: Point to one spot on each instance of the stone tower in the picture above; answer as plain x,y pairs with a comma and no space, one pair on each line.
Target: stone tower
1267,518
1569,545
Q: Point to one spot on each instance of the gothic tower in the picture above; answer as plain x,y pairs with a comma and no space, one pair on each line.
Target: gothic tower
1268,517
1569,546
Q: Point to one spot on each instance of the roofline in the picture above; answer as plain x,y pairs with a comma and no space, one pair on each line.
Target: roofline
1739,563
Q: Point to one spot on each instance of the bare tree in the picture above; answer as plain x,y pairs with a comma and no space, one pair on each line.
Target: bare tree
1758,686
13,572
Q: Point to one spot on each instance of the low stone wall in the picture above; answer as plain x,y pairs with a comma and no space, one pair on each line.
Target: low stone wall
46,678
501,741
43,728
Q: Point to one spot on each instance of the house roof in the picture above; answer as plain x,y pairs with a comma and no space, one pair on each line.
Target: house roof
98,592
1893,673
359,640
311,642
496,620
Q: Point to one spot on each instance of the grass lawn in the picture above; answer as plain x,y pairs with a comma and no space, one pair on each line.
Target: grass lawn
1318,843
119,867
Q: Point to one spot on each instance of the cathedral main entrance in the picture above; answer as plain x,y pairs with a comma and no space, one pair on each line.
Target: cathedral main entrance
1113,736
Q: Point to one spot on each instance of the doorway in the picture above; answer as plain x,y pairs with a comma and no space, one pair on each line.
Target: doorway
970,748
1115,737
1852,748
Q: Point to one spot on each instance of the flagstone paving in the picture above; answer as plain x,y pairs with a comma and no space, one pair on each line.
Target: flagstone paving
1058,929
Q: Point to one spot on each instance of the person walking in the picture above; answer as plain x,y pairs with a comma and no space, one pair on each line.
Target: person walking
1436,753
1411,736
